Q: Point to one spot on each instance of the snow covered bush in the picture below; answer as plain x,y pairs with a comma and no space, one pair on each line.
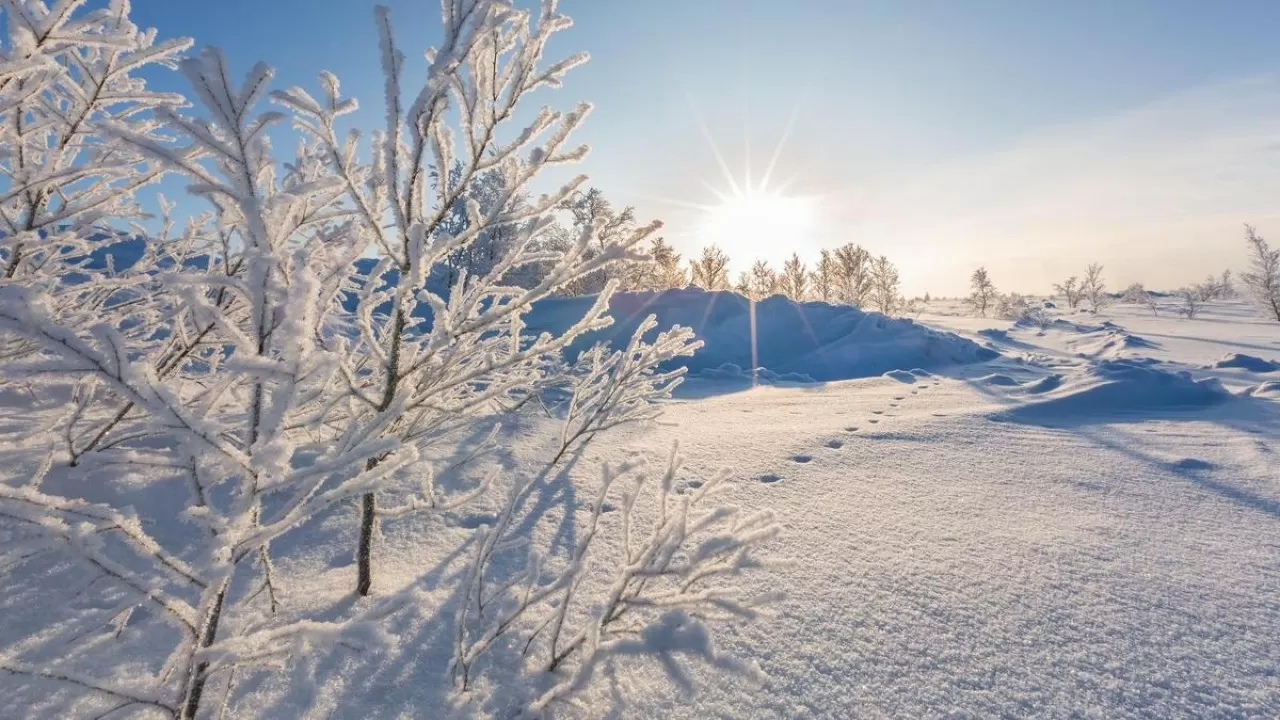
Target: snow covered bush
284,354
1263,278
1135,294
1191,300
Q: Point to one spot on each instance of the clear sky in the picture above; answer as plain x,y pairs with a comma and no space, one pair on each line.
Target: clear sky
1032,137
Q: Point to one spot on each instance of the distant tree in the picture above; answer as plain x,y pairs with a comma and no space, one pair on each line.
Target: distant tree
1190,302
762,281
794,280
590,208
1226,286
710,271
1136,294
926,299
1263,278
824,278
1093,288
671,273
885,286
983,291
663,270
743,286
1070,291
854,279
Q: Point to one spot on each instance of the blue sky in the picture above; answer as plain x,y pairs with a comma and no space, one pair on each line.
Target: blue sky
1029,136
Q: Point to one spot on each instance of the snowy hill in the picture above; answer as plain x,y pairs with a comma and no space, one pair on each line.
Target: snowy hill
802,341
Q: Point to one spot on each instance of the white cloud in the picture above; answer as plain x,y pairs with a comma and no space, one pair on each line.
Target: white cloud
1157,193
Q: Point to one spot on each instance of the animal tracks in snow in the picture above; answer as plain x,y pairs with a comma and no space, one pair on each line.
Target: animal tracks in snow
836,443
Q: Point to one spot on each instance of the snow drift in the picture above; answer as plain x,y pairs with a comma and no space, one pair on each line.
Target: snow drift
1246,362
1120,387
814,339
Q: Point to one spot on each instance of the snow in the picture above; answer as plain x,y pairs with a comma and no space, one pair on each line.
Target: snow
1039,533
794,341
1247,362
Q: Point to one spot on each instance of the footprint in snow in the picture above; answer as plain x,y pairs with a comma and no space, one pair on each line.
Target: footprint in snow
873,421
1193,464
877,412
893,404
915,392
901,397
769,479
835,444
851,428
802,458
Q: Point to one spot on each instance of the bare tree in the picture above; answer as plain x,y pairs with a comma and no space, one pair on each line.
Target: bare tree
762,281
1263,278
1226,287
983,291
886,295
1070,291
825,277
1191,300
1093,288
854,281
794,280
710,271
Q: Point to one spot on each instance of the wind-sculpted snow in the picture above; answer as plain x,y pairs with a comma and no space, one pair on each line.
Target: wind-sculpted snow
1247,362
821,341
1119,388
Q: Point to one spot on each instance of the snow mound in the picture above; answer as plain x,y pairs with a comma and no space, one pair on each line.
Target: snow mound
995,334
1247,362
1120,387
901,376
729,371
1111,342
1060,325
1044,384
997,380
820,341
1269,390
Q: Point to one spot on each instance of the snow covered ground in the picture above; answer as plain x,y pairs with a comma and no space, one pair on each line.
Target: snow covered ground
1084,525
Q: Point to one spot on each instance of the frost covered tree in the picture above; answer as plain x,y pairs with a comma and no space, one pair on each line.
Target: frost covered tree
886,295
824,277
854,281
475,260
1070,291
1093,288
1263,278
982,291
1226,285
1191,301
710,270
794,279
664,270
592,213
761,281
281,356
1136,294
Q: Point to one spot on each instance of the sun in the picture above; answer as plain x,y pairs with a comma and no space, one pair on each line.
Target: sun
760,225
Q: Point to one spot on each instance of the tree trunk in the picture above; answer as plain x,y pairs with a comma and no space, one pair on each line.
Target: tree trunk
364,551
